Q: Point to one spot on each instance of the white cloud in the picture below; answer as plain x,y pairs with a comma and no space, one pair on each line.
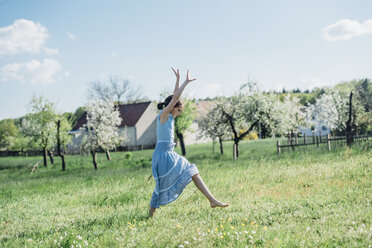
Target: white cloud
51,51
22,36
346,29
33,72
71,36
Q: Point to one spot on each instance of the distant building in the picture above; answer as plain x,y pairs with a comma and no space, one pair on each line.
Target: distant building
319,129
192,134
138,125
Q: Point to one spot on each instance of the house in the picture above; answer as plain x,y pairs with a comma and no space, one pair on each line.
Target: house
138,125
319,128
192,134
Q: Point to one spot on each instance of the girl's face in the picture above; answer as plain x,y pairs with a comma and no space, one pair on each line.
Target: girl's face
177,111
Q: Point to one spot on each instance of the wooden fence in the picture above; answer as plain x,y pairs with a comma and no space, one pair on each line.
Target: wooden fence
328,142
72,152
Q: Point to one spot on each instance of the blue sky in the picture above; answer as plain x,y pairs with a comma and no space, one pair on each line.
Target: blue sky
57,48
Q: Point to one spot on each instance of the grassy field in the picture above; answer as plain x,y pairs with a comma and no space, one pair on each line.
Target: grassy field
315,199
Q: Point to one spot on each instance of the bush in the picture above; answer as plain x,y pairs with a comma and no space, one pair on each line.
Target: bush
128,155
252,136
145,163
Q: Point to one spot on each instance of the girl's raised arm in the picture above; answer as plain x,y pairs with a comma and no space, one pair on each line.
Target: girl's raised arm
177,86
176,96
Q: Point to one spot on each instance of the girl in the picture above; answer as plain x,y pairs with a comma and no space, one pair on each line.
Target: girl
172,172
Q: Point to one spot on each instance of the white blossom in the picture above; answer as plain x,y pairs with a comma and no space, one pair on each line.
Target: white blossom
290,115
103,120
329,109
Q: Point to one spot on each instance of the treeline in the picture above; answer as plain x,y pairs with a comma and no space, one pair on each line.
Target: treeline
249,110
344,107
12,137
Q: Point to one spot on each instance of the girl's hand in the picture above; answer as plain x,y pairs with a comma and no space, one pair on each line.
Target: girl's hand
177,73
188,79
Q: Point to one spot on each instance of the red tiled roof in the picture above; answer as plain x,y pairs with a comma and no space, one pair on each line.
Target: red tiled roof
130,113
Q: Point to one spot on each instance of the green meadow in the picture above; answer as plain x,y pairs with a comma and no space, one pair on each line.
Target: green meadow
295,199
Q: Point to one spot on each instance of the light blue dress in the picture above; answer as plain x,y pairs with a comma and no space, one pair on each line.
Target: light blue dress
171,171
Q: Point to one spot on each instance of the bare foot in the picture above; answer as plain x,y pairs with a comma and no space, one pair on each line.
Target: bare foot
218,204
151,212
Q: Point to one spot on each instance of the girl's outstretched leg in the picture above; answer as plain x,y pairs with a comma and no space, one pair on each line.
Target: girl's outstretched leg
204,189
151,211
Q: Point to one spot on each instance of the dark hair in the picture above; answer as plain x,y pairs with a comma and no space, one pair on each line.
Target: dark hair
167,100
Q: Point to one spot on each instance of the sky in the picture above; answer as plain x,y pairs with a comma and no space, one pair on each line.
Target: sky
56,49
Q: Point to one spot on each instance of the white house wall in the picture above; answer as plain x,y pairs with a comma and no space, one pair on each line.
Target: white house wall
76,138
321,128
129,134
191,135
146,126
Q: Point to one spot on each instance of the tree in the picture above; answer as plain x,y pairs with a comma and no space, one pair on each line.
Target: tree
39,124
78,113
213,126
70,118
12,137
246,109
184,121
8,132
328,109
333,109
116,90
361,102
102,124
63,137
364,90
291,115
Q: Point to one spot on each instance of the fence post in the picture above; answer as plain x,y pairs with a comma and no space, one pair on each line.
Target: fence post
305,138
234,152
329,142
317,140
313,137
291,143
296,138
278,146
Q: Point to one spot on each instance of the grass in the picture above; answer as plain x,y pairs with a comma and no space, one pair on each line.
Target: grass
301,199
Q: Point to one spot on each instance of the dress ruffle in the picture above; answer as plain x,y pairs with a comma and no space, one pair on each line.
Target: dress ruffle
175,191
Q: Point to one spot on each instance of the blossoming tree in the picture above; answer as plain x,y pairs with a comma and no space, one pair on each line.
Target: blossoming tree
213,126
101,129
291,115
246,109
39,124
330,109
